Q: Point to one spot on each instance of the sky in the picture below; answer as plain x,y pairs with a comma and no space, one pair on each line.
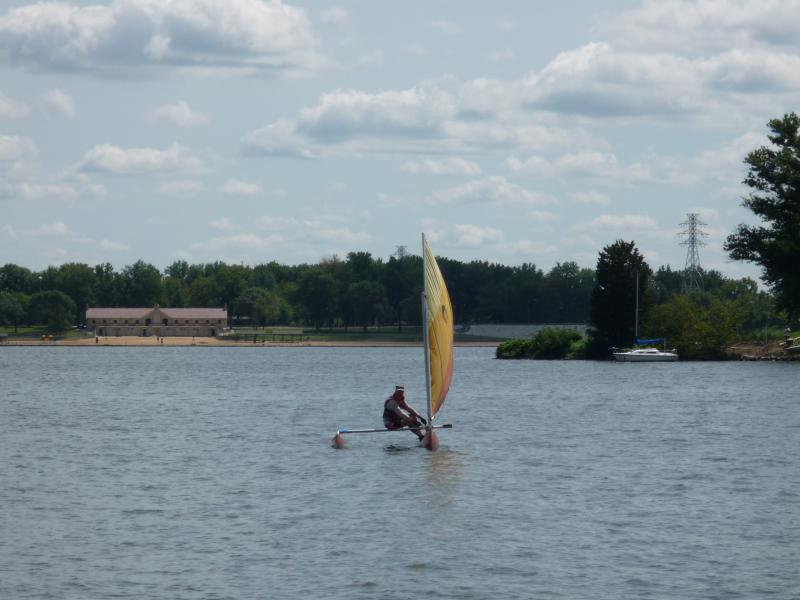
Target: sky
249,131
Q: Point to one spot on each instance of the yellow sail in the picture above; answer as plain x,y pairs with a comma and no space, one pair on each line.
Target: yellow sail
440,329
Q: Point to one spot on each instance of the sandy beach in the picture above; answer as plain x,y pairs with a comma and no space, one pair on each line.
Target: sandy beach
217,342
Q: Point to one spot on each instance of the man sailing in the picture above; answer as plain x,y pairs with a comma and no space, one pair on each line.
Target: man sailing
397,414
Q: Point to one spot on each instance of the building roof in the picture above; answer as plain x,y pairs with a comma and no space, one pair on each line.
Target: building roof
142,313
196,313
117,313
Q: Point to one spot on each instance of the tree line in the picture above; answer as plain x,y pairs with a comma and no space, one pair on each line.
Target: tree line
358,291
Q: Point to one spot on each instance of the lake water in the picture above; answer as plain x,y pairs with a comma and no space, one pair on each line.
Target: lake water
177,473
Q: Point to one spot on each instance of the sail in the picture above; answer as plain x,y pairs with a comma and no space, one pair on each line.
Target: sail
440,330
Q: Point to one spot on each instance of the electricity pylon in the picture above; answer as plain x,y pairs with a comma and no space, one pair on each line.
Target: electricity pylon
692,275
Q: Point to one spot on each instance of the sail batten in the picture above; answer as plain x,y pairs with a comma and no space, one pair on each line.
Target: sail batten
440,330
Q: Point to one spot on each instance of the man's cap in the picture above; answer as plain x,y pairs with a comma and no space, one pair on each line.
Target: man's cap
399,388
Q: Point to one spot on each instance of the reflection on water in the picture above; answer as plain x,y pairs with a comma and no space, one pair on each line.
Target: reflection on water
443,476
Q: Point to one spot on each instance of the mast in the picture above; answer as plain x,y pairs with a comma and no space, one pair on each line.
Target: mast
425,334
636,317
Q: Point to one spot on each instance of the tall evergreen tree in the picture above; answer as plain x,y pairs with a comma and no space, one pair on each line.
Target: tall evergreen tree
613,314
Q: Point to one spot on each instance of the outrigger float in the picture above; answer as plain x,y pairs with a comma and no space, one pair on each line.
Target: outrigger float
438,328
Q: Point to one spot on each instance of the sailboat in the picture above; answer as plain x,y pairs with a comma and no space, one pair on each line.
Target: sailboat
438,331
644,354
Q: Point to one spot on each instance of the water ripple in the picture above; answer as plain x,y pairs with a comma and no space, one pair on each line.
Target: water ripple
558,480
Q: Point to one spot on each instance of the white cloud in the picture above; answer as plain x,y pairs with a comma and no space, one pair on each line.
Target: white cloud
37,191
430,117
726,162
244,36
223,224
320,229
691,26
360,121
112,246
504,55
14,147
178,114
10,109
601,165
276,223
181,188
336,15
234,187
595,80
624,225
535,166
505,26
60,103
445,27
240,241
590,198
543,216
528,248
600,81
279,139
494,190
475,235
590,164
107,158
57,229
346,113
414,49
372,57
445,166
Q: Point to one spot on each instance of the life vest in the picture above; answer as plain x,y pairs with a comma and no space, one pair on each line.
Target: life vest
391,417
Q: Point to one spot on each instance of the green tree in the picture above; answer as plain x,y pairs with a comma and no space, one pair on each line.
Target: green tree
316,296
178,270
77,280
174,292
14,278
108,286
774,177
12,310
402,275
231,281
612,314
261,306
526,294
701,326
549,343
262,276
666,284
53,309
361,266
142,284
367,301
204,292
567,294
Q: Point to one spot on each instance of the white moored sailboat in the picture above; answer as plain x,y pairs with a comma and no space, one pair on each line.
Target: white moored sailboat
646,355
643,354
438,329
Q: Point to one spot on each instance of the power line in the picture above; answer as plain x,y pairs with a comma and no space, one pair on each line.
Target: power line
692,273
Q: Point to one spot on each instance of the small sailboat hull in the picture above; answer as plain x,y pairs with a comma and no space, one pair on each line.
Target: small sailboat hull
645,355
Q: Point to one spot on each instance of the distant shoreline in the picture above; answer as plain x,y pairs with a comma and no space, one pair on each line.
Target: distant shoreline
152,342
